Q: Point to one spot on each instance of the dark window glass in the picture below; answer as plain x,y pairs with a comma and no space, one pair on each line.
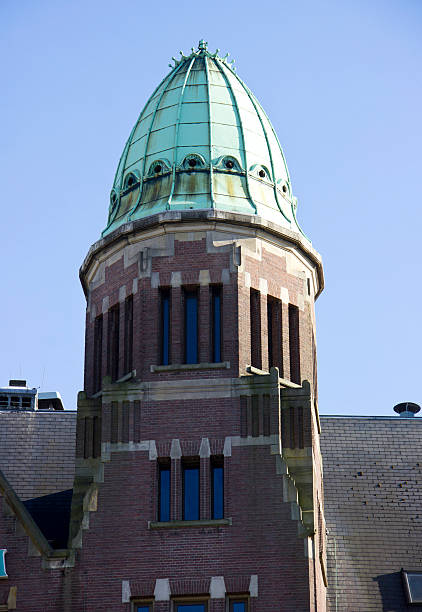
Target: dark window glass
191,326
255,416
165,326
98,352
143,608
243,416
114,421
191,491
190,607
238,606
164,492
87,432
275,341
96,442
255,316
266,416
270,332
217,484
216,328
26,402
113,342
294,346
128,334
413,586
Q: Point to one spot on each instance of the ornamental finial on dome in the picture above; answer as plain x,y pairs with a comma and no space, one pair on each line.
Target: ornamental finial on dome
202,45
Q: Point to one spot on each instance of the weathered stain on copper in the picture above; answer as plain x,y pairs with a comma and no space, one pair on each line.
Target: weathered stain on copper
128,201
156,188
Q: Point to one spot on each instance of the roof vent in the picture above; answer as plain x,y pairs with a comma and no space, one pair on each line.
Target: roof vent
407,409
17,383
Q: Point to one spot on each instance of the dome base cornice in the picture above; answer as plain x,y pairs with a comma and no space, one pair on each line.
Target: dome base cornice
200,220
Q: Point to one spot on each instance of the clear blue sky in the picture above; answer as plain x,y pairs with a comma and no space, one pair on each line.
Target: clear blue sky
341,82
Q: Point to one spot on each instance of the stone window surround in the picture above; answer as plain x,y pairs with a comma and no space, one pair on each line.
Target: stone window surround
205,589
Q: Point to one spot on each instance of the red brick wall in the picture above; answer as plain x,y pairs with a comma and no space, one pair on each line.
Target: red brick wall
37,589
263,538
189,259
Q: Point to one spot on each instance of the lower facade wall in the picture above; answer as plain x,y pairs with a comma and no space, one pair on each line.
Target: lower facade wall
261,547
259,554
36,588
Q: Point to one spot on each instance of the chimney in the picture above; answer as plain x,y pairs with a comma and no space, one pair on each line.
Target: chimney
407,410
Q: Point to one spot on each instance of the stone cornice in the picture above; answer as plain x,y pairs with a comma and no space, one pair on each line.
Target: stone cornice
122,235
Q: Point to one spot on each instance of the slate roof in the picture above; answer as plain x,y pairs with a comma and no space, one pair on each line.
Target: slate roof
52,515
37,451
373,509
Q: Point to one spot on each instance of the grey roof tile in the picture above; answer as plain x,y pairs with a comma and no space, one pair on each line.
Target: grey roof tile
373,489
37,451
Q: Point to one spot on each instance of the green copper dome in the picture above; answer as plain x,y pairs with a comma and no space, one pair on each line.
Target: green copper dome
202,141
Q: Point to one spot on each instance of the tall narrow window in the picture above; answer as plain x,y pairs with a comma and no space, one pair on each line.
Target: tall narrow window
275,340
191,326
113,342
255,316
238,605
216,328
128,356
165,326
164,491
217,487
255,416
98,352
294,346
191,490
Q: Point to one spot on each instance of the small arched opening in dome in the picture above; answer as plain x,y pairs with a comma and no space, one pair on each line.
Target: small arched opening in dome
284,187
114,205
114,200
260,172
159,167
130,181
228,163
193,162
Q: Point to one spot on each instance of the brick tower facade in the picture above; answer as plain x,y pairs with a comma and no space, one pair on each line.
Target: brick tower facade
198,435
245,410
198,477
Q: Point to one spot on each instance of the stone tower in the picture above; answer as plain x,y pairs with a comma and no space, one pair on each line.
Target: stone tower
198,477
